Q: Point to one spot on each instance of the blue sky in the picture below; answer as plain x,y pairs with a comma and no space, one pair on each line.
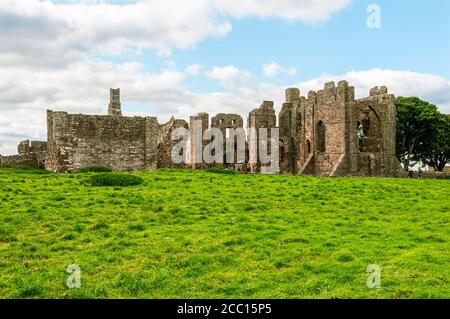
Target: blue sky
173,57
414,36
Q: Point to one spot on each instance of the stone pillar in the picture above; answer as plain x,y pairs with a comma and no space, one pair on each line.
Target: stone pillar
114,107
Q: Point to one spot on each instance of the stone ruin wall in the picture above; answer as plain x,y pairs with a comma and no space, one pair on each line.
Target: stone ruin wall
329,118
28,153
197,152
165,143
223,122
261,117
344,154
122,143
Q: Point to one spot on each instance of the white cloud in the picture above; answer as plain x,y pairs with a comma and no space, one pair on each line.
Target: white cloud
273,69
230,77
429,87
193,69
62,33
309,11
164,52
224,73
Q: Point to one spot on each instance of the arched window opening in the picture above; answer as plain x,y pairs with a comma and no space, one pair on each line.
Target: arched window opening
368,131
320,132
308,146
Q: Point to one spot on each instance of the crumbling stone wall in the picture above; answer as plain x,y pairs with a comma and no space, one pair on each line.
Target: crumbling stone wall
122,143
29,153
224,122
165,144
330,133
262,117
12,160
196,138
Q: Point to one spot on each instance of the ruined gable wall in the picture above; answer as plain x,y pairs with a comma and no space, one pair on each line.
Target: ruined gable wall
165,143
262,117
122,143
330,106
291,129
224,121
377,158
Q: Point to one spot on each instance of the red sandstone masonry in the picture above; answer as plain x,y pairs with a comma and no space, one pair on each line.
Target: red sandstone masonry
124,143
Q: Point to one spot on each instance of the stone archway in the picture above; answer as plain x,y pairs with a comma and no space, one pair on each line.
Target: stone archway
368,130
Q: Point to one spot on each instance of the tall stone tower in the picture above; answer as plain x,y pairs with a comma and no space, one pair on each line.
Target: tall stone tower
114,107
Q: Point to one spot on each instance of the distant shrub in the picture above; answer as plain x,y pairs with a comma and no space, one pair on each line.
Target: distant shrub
115,179
96,169
221,171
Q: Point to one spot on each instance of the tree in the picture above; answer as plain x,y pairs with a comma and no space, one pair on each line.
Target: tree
417,126
437,153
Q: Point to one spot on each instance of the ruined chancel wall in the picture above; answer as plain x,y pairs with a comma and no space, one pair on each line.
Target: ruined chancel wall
329,133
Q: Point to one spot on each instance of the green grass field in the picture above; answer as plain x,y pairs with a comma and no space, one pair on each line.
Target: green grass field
197,234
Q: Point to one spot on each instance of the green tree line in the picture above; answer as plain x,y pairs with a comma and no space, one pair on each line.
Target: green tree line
423,133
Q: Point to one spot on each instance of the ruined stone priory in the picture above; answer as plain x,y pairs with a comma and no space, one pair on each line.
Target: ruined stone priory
327,133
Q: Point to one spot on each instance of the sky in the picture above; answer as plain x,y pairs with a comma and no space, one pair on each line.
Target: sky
177,57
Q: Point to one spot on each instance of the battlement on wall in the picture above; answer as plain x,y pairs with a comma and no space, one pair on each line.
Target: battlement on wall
375,91
379,95
342,91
